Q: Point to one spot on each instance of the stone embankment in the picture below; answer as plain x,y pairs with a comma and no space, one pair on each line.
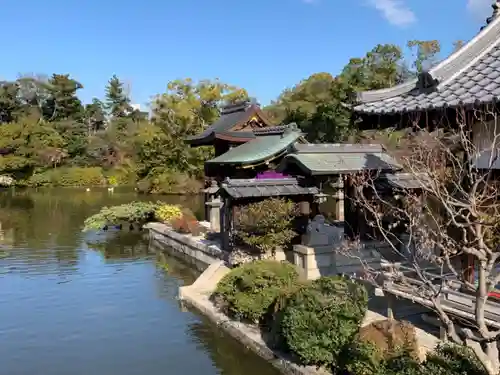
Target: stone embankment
210,256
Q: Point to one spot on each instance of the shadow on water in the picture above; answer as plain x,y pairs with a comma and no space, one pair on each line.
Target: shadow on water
77,303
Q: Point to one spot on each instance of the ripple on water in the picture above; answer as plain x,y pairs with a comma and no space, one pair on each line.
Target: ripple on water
68,307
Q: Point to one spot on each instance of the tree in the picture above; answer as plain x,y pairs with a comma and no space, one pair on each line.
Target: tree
188,108
62,102
117,100
10,104
318,103
457,45
33,94
445,232
315,104
425,53
95,117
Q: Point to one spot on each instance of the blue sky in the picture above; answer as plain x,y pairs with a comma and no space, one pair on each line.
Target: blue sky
263,45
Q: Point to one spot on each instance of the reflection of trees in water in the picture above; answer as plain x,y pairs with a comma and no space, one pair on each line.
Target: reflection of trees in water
120,245
48,222
176,268
228,355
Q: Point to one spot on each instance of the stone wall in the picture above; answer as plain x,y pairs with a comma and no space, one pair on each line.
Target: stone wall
195,250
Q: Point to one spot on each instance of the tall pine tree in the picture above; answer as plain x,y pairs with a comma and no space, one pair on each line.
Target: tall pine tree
117,101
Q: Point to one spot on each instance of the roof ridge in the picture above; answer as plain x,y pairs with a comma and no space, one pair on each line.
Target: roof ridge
495,14
450,67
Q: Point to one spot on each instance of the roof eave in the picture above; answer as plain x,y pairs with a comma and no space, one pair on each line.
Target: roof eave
200,141
445,70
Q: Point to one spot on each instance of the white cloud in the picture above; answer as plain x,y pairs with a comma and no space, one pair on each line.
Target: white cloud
395,11
480,8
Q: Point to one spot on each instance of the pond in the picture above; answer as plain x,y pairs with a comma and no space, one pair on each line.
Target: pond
98,304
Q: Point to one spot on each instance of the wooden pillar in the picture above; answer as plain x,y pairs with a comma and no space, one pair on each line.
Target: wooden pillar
224,223
351,225
468,263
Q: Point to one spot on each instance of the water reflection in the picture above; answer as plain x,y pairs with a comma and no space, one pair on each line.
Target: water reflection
75,303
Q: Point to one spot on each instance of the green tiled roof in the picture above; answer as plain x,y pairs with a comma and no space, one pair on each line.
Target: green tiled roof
326,159
259,149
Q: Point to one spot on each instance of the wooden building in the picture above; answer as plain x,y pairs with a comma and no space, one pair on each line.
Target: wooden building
245,141
462,90
319,164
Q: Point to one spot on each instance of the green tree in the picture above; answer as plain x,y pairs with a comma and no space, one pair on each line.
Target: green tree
318,103
425,53
10,104
117,101
315,104
95,116
62,102
188,108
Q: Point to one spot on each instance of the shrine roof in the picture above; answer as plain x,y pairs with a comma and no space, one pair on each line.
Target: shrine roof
406,181
470,76
231,116
330,159
251,188
487,160
261,148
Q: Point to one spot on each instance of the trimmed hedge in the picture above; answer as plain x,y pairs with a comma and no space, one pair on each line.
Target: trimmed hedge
247,292
377,343
321,319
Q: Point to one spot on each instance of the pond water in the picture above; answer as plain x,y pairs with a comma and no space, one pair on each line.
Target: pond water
98,304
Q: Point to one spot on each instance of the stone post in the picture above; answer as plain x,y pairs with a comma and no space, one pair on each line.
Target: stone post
214,211
339,206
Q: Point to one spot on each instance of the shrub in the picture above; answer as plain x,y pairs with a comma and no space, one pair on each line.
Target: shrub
266,225
71,176
169,182
452,359
41,179
135,212
247,292
186,223
377,343
167,212
319,320
76,176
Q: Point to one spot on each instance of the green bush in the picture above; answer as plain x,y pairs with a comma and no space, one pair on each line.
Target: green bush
247,292
377,343
319,320
452,359
76,176
266,225
135,212
169,182
363,358
71,176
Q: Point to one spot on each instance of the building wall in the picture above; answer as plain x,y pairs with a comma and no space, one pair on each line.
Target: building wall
486,135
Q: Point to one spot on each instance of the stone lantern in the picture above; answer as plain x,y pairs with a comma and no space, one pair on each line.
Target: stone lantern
213,205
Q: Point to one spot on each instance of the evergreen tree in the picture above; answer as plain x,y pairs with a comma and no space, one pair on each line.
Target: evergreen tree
63,102
95,116
10,104
117,102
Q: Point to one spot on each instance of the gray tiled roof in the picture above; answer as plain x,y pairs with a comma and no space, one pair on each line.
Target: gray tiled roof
249,188
405,180
486,161
470,76
230,116
331,159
